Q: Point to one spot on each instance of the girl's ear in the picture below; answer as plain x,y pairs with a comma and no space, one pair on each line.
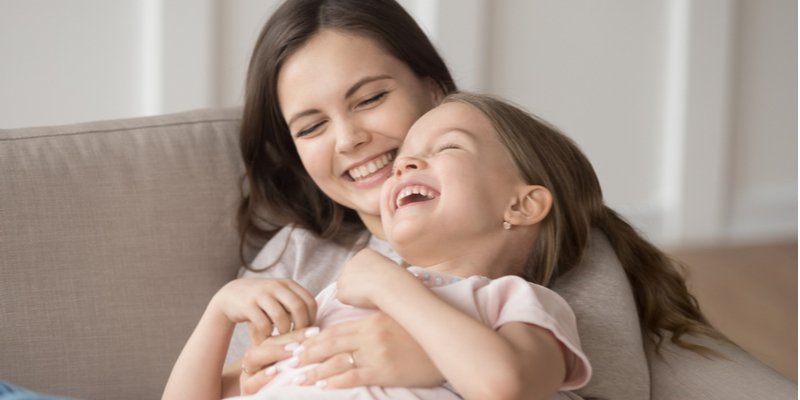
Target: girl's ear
530,206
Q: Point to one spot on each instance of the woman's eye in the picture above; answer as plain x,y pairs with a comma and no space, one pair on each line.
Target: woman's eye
308,130
373,99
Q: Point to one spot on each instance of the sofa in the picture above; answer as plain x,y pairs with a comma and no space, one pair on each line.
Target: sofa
114,235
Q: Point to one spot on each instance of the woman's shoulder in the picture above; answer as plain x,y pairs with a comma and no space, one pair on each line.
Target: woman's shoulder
314,262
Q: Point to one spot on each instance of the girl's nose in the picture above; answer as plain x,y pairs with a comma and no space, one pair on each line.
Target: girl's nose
350,137
405,164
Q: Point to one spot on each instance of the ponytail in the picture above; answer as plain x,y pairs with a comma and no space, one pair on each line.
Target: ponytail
662,299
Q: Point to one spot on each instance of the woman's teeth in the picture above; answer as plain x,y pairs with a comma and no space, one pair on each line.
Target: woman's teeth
364,171
421,192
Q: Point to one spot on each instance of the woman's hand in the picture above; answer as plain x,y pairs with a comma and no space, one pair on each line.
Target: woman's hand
266,302
252,369
365,276
383,354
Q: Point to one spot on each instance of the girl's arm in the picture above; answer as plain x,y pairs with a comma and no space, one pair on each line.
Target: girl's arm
261,301
518,361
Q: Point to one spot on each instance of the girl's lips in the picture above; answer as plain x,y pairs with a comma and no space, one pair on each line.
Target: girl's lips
414,186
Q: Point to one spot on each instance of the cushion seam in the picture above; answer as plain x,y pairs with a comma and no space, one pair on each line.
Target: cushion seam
121,129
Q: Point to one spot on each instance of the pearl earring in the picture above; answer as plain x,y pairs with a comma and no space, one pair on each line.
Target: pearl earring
506,225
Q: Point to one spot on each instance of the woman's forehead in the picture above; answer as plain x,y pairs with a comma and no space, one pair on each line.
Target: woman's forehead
331,63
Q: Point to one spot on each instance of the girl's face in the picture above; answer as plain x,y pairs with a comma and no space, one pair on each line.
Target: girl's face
349,105
452,183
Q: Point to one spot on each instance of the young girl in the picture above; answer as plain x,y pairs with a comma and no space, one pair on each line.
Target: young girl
462,209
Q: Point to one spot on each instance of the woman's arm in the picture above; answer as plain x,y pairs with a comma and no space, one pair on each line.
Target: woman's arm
518,361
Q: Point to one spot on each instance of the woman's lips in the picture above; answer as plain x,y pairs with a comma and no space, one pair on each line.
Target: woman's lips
370,172
372,166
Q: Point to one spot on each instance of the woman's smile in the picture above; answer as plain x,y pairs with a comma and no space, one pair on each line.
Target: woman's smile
374,170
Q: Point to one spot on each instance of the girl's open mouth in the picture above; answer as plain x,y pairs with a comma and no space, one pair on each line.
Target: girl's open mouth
414,193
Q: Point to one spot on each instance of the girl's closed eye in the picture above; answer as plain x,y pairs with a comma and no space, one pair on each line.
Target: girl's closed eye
447,146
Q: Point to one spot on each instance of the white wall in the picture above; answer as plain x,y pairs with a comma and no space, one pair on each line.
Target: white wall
686,108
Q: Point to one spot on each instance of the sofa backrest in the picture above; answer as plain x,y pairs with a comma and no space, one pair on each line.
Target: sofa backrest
114,236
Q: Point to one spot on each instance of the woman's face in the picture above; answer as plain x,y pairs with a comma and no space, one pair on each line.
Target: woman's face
349,105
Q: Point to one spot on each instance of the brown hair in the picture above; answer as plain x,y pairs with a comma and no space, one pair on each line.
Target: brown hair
277,189
544,156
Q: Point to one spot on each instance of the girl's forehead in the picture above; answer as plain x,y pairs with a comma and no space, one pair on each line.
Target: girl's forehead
449,117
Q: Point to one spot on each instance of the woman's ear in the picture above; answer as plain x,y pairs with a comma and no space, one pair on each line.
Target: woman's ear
435,90
530,206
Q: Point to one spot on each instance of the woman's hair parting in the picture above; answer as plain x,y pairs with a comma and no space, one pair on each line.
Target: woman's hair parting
544,156
277,189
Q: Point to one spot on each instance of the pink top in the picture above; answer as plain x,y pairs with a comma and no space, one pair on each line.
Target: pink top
493,302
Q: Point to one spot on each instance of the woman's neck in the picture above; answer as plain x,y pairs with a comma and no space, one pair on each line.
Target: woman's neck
373,224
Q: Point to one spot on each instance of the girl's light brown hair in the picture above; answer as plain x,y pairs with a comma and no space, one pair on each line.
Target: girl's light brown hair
544,156
277,189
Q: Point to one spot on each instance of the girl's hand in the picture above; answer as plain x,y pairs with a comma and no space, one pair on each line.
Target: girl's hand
364,276
384,354
264,302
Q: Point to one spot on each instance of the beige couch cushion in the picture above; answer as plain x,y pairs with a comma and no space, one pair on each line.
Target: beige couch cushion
113,237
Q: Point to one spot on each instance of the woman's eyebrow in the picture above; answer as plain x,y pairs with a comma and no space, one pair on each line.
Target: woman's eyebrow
363,82
301,115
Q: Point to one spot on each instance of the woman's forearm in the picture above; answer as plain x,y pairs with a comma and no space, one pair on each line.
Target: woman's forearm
198,372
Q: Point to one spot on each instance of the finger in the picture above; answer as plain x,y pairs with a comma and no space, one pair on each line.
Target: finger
348,379
257,358
296,307
256,336
334,366
308,299
255,314
276,312
252,383
298,335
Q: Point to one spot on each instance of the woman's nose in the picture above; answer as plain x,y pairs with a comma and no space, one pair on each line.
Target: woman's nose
351,136
406,164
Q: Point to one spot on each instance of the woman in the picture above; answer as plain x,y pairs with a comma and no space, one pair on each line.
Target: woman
332,89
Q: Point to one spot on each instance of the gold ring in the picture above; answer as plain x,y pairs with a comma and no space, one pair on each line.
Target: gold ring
352,361
246,371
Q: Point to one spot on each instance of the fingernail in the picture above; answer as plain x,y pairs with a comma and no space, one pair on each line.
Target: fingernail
299,379
298,350
312,331
293,362
291,346
271,371
321,384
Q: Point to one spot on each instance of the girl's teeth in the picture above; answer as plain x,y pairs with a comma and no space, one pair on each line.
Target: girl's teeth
363,170
413,190
371,167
